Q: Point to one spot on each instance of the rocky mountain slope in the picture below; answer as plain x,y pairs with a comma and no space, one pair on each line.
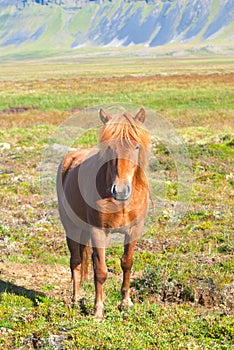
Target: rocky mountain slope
68,24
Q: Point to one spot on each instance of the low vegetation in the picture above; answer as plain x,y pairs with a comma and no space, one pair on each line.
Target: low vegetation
182,281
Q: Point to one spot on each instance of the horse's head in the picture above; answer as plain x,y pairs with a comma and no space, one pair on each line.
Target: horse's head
124,144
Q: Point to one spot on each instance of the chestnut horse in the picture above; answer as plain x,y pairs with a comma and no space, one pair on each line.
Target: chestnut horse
104,190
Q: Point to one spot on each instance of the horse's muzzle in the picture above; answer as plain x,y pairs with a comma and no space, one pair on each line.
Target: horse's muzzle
121,191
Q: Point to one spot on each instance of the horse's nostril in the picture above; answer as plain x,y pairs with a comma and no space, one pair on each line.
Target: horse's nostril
121,193
128,190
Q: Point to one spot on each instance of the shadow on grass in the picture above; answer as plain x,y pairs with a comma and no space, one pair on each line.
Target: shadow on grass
21,291
84,310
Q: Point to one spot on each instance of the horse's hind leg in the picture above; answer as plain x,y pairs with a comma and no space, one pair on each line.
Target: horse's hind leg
99,242
84,253
75,265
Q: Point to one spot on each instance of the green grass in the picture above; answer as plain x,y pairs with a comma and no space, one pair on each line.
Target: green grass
148,92
146,326
83,17
170,265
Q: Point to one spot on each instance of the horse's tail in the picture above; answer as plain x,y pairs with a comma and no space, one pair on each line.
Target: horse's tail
85,262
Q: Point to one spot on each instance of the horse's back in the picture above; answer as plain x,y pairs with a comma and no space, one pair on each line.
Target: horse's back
74,159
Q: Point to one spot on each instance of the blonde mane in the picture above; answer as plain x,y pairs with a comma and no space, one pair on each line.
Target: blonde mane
126,129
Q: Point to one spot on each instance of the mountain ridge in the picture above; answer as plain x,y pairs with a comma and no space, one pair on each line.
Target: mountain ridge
57,26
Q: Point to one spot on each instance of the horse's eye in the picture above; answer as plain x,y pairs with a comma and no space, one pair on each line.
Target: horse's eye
137,147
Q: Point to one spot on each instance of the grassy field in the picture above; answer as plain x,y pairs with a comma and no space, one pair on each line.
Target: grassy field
182,280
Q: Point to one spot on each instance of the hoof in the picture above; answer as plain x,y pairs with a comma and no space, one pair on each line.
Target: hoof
99,315
73,302
126,304
99,312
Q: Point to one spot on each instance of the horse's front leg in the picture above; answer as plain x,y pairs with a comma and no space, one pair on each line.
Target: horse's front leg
100,270
126,264
127,261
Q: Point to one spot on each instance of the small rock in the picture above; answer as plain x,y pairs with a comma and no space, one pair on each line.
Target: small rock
5,331
56,341
4,146
206,293
228,297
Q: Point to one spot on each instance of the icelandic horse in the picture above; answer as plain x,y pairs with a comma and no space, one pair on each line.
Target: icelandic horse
104,190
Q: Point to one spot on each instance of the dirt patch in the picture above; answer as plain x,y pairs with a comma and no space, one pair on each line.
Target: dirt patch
156,245
173,291
32,117
153,286
14,110
28,279
177,78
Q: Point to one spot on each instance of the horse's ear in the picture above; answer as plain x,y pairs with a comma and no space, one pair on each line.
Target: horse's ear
105,117
140,116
